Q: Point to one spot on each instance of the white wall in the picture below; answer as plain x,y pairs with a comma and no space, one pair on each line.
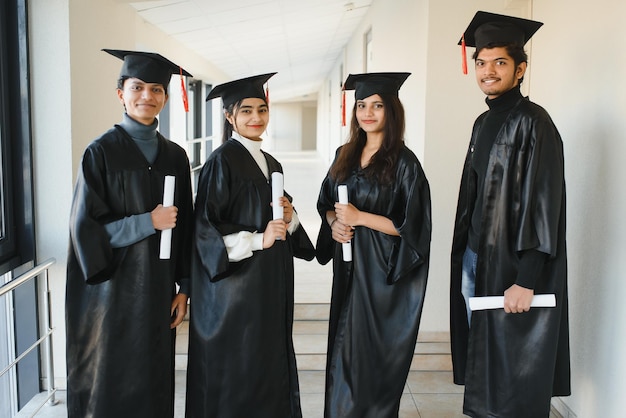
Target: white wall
73,101
292,127
286,127
579,68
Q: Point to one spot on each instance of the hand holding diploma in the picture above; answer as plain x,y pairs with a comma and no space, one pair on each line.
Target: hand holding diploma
277,206
497,302
346,247
166,234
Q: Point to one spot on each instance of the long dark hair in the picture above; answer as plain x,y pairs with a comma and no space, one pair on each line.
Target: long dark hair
383,162
227,131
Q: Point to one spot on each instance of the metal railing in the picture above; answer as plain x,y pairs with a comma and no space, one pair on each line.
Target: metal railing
46,338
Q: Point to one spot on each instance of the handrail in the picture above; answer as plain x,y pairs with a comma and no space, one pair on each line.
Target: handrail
46,338
21,279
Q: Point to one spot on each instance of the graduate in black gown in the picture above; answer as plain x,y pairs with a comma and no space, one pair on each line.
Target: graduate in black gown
241,355
377,297
509,238
121,301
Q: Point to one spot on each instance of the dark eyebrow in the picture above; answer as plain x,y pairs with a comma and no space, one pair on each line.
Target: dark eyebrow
250,107
495,59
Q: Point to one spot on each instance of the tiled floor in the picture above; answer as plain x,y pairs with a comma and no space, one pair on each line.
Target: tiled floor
429,391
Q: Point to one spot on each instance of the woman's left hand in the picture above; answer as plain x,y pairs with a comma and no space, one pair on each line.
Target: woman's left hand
347,214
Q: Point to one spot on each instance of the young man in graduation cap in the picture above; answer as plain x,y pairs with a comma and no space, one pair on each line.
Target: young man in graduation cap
121,301
509,239
241,356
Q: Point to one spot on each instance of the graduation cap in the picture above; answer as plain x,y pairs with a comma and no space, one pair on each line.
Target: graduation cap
364,85
147,66
491,28
150,67
234,91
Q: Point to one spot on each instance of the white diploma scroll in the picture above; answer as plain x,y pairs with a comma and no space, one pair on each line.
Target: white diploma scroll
277,193
166,234
342,191
497,302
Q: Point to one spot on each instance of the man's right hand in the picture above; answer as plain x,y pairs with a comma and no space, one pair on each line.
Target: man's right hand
164,217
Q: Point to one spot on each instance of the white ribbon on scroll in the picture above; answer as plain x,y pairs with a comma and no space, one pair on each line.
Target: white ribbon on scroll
342,191
277,193
497,302
166,234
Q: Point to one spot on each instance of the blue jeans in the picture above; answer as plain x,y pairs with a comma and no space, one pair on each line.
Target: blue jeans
468,279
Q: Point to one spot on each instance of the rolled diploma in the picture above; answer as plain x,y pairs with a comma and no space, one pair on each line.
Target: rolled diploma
277,193
497,302
166,234
342,191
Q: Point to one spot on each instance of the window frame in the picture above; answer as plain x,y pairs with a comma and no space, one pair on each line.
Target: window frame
17,243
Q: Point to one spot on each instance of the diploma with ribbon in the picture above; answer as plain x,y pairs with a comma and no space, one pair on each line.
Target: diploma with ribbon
342,191
166,234
497,302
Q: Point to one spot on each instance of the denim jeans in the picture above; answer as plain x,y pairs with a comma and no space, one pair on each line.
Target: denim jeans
468,279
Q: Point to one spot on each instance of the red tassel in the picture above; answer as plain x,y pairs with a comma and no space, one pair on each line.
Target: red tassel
343,108
464,54
182,86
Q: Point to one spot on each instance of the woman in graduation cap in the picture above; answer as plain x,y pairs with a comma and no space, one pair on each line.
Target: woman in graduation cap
121,301
241,355
377,297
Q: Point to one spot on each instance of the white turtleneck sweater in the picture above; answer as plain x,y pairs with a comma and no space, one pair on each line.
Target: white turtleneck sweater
240,245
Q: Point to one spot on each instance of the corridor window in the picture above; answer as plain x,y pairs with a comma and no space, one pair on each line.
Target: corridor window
16,191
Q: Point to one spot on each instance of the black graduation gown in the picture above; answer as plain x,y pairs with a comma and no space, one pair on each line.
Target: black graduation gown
241,355
511,364
120,353
377,299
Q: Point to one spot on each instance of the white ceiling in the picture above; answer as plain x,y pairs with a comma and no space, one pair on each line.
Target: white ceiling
299,39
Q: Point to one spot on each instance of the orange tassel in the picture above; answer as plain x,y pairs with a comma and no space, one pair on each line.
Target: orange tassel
464,53
182,86
267,94
343,108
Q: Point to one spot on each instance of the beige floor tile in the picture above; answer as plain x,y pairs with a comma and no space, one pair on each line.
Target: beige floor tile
432,348
439,406
408,409
434,362
311,381
313,362
432,382
310,344
312,405
311,328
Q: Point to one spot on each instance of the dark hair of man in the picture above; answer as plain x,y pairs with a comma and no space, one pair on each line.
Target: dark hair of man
383,163
122,80
227,132
515,51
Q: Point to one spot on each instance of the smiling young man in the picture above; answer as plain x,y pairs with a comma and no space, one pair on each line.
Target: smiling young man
121,302
509,239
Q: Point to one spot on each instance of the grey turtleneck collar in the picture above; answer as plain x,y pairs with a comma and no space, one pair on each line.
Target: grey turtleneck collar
145,136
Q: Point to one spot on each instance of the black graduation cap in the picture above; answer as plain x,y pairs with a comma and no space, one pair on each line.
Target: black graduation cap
147,66
364,85
486,28
244,88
